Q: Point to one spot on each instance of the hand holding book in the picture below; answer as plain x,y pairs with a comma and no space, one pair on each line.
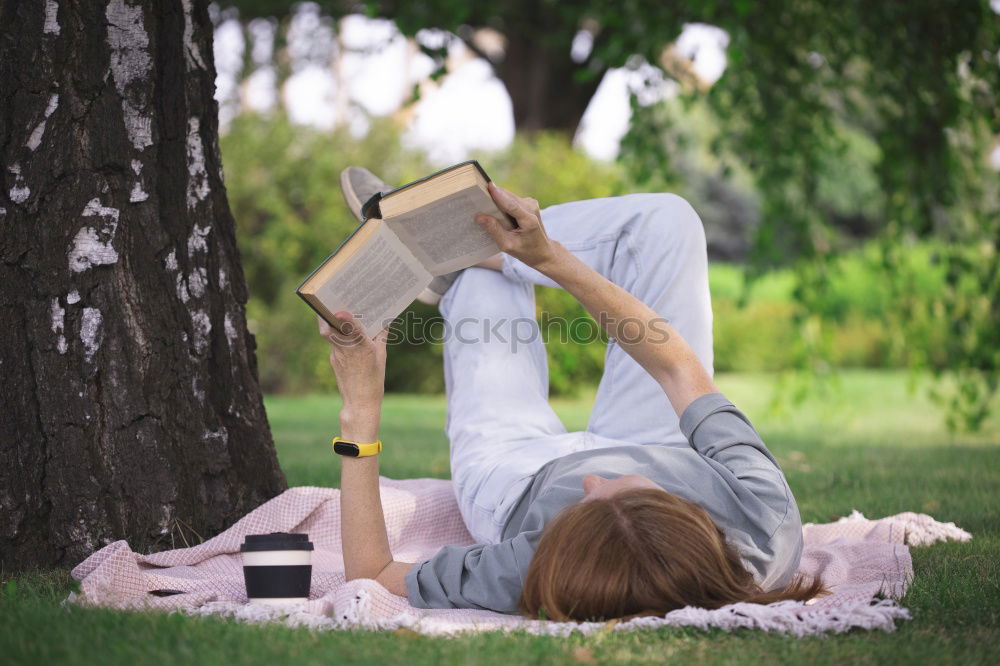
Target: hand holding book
528,241
358,363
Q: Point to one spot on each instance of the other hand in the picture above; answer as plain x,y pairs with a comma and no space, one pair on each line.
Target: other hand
528,242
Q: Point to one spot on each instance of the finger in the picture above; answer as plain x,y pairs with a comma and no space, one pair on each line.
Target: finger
349,330
492,226
506,200
348,325
511,204
324,327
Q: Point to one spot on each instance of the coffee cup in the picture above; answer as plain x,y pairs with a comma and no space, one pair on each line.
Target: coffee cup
277,567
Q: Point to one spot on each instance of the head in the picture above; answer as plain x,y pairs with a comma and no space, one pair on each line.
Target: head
630,548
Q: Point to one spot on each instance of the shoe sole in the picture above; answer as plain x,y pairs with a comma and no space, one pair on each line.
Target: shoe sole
350,198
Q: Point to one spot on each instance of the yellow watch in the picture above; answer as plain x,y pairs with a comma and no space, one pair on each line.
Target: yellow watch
356,450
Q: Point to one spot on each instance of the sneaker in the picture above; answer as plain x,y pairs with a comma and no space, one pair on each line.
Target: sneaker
358,185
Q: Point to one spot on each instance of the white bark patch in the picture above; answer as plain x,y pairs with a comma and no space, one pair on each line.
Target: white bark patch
130,62
89,250
35,139
197,240
20,192
73,297
90,332
138,193
51,18
201,327
58,315
227,325
222,278
198,282
182,291
170,263
91,245
191,53
94,207
221,434
197,188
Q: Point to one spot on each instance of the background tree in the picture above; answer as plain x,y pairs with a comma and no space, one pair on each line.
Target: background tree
549,87
130,396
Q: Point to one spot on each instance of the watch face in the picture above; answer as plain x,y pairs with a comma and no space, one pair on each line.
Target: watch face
347,449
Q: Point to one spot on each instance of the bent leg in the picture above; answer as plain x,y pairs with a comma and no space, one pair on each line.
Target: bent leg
496,374
496,379
653,246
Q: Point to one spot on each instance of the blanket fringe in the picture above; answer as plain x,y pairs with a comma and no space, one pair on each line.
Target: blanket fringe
291,615
919,528
787,617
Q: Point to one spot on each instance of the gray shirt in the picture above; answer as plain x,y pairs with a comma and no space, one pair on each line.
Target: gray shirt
727,470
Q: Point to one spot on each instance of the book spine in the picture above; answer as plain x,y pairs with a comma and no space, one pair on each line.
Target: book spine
316,310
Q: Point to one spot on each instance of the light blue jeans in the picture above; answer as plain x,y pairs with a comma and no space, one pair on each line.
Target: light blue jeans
501,427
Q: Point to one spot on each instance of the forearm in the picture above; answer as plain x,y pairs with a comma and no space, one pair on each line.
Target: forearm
643,334
362,523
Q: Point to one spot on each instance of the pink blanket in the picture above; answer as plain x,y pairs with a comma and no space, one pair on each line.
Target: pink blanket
859,559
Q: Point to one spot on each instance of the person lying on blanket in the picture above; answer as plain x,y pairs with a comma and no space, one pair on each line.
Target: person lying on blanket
669,498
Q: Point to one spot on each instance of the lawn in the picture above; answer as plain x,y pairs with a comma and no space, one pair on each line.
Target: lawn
867,444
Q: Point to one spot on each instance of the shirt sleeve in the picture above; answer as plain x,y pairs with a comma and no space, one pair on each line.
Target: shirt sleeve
484,577
719,431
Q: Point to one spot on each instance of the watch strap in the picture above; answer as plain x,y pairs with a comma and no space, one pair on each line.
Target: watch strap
351,449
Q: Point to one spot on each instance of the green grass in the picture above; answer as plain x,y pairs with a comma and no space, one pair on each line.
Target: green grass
869,444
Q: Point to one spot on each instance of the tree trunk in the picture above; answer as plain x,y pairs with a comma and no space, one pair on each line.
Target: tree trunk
131,407
540,81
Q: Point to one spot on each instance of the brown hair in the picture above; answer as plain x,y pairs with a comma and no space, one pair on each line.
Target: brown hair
639,552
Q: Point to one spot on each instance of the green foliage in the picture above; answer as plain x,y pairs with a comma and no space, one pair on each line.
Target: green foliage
553,172
895,104
283,185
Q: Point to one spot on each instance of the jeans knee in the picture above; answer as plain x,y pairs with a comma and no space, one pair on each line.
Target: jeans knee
670,222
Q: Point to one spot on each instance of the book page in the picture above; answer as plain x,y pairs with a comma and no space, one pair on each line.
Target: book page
443,235
377,283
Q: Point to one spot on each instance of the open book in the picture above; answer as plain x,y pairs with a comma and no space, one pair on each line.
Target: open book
409,235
